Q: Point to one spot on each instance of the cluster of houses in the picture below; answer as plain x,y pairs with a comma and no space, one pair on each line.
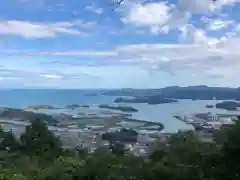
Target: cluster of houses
211,121
92,140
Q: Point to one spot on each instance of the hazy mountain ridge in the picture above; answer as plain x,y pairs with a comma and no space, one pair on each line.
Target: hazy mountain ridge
201,92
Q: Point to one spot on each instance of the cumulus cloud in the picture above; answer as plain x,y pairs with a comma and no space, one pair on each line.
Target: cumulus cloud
206,48
209,55
160,17
29,29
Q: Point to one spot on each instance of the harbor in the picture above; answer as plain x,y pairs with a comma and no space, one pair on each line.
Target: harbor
207,120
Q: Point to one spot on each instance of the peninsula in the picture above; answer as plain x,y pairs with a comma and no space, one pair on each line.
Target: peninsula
23,115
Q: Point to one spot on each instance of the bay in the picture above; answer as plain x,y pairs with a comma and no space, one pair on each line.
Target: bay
156,113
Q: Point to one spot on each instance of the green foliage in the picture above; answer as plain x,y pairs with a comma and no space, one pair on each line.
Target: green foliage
182,157
124,135
1,132
9,142
39,141
9,175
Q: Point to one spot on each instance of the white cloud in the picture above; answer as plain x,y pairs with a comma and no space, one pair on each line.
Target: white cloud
74,54
218,24
28,29
201,56
199,59
51,76
94,9
198,36
197,6
148,14
160,17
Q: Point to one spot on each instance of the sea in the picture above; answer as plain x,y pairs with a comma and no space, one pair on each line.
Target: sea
156,113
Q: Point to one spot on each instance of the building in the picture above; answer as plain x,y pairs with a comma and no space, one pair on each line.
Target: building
140,150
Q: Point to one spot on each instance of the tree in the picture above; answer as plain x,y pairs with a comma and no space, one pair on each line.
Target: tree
9,142
10,175
229,167
1,132
39,141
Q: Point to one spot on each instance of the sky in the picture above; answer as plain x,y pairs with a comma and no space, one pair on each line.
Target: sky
141,44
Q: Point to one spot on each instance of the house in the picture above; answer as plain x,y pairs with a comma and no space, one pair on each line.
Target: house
140,150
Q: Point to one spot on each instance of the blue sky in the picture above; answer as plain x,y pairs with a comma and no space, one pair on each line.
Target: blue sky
142,44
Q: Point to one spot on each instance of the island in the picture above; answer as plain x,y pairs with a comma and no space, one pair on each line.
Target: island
39,107
85,106
209,106
200,92
148,100
121,108
228,105
74,106
91,94
23,115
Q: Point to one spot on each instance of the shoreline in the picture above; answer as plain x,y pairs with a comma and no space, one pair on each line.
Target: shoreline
75,119
158,114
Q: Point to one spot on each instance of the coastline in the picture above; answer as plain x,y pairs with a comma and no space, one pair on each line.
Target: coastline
160,113
75,120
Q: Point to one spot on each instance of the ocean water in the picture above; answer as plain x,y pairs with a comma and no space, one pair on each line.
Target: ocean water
60,98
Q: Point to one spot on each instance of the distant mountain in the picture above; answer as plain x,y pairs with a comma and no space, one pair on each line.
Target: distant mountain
201,92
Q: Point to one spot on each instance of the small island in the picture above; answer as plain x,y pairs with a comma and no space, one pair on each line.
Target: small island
228,105
209,106
74,106
91,94
148,100
121,108
39,107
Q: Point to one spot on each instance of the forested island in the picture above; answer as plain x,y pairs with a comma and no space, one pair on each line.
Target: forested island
201,92
209,106
120,108
228,105
148,100
40,107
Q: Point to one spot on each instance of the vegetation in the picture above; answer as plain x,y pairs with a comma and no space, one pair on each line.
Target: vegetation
121,108
146,99
38,155
177,92
124,136
40,107
228,105
19,114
